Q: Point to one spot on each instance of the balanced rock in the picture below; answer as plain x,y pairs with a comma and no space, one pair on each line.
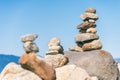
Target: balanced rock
57,60
38,66
29,37
56,48
83,37
90,10
30,47
52,52
87,16
12,71
118,66
96,44
96,63
75,48
28,44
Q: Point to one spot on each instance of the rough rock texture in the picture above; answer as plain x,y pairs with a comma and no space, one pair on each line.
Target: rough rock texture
71,72
56,60
97,63
13,71
86,37
96,44
39,67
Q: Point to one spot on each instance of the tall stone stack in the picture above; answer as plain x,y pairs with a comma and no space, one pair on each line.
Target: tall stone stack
87,39
55,55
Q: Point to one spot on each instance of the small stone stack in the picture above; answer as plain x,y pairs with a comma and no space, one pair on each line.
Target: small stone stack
55,55
54,47
30,61
87,39
29,46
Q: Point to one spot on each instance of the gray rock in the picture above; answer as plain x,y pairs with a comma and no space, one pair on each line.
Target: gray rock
87,16
29,37
30,47
97,63
90,10
82,37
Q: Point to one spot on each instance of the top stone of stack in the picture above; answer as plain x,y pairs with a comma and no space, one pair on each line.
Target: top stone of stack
90,13
29,37
91,10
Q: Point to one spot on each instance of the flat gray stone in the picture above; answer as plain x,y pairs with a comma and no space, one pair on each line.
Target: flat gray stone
29,37
82,37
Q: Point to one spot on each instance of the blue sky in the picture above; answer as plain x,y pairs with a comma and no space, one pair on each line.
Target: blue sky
56,18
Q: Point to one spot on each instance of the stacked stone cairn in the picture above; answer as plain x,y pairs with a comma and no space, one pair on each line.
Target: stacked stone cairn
87,39
28,44
34,63
55,55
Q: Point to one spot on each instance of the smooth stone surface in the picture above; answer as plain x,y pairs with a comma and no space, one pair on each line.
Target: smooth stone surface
97,63
81,37
29,37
